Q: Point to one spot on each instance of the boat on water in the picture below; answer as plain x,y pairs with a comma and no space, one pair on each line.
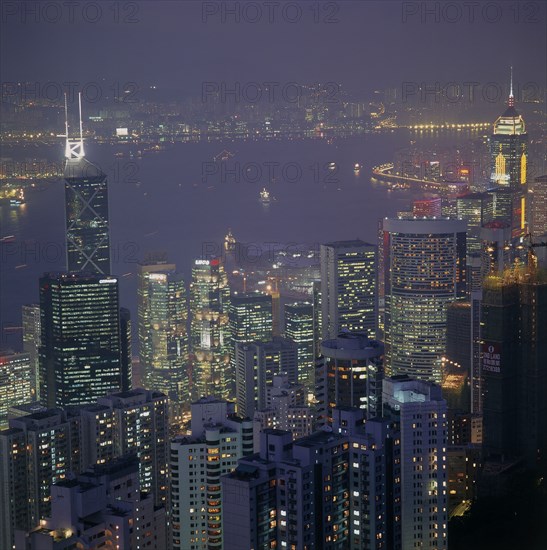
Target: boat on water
224,155
356,167
12,196
265,196
332,165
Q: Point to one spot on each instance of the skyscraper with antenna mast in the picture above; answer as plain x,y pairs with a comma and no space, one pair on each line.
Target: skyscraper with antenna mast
86,207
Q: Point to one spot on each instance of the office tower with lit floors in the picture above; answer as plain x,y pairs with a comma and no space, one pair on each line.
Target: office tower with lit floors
299,325
210,331
86,208
474,209
251,320
218,439
349,293
141,418
514,370
256,365
509,159
429,207
31,343
425,270
349,374
285,408
163,337
538,209
81,356
16,382
419,410
123,515
48,446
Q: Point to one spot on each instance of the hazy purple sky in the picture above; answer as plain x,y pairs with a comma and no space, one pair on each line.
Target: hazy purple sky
367,45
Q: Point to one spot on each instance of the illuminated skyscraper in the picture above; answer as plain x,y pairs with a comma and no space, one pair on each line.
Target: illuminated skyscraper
15,382
163,338
509,158
317,319
209,333
86,203
419,411
538,211
250,317
425,265
218,439
349,374
514,370
48,446
81,356
31,343
508,147
299,328
349,288
473,208
496,248
256,365
429,207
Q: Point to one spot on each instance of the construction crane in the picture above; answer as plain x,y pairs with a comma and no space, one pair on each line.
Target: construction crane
532,257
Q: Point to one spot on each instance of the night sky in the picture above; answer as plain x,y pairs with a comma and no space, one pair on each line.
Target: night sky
364,45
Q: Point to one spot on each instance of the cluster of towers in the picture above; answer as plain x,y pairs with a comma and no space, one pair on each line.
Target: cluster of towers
337,431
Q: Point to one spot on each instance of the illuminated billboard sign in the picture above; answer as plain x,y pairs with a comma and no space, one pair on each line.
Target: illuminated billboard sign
491,357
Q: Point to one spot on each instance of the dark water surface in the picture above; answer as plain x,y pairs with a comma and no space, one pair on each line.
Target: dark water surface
181,202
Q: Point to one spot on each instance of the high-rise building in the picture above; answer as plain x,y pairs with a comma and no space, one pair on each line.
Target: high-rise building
458,336
349,294
80,351
473,208
15,382
538,210
425,269
514,371
218,439
123,515
250,317
429,207
42,448
497,251
420,412
508,207
126,340
142,427
349,374
350,488
209,333
285,409
163,338
509,148
256,365
86,210
317,318
299,325
35,452
509,159
291,494
31,343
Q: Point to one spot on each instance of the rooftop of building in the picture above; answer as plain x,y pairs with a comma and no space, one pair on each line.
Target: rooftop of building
356,345
81,168
352,243
318,439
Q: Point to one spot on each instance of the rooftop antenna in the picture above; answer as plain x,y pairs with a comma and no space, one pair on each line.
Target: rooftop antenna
82,133
74,148
511,96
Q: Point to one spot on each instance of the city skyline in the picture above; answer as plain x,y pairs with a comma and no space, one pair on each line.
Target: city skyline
273,275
